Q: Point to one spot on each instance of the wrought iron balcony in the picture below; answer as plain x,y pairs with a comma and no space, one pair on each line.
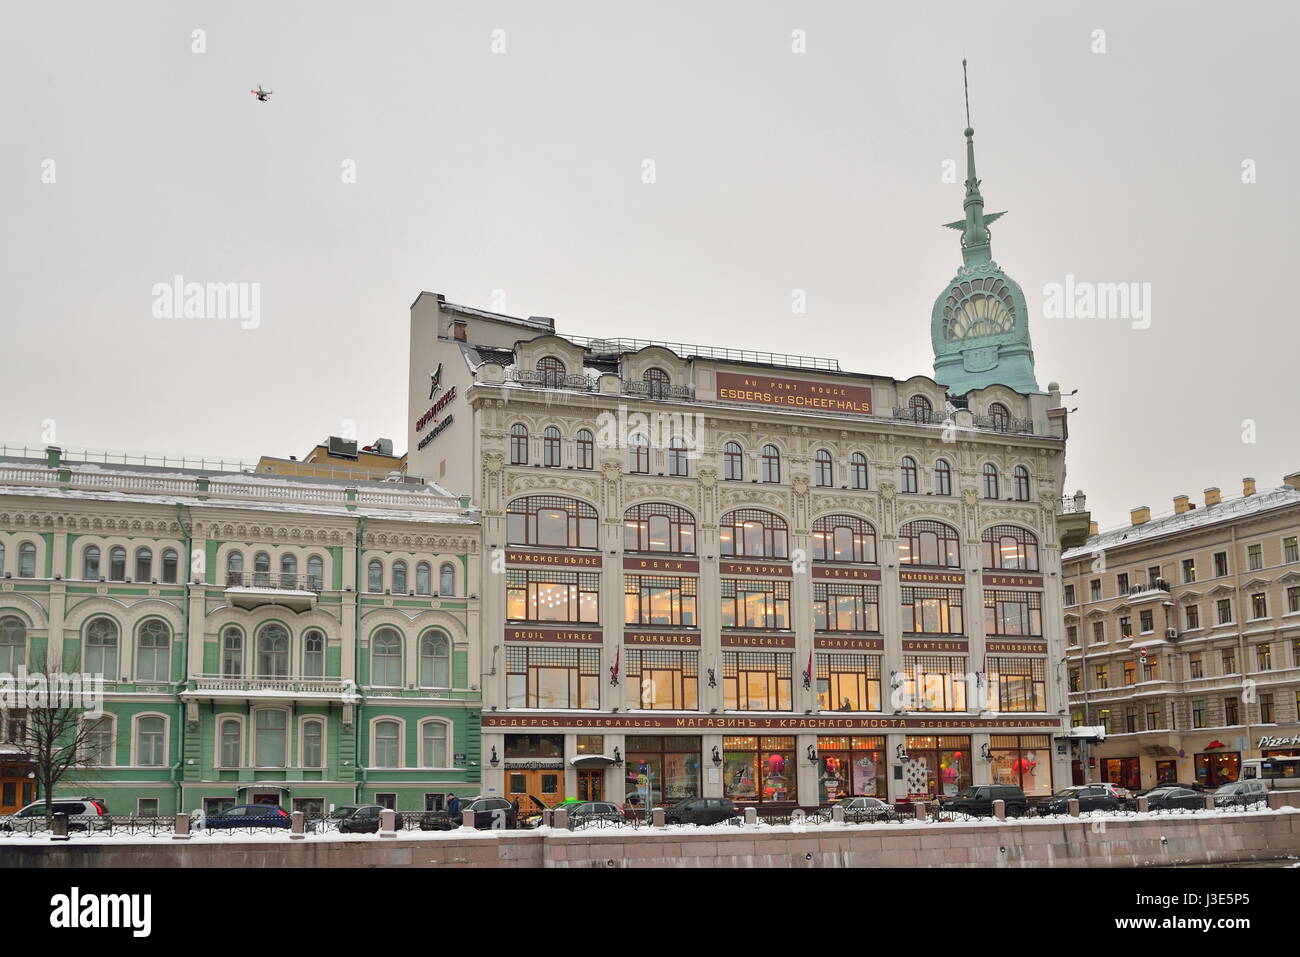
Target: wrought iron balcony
658,390
253,589
542,379
1004,423
922,416
280,581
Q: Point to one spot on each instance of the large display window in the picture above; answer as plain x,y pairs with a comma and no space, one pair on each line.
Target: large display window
851,767
661,769
1022,760
936,765
759,770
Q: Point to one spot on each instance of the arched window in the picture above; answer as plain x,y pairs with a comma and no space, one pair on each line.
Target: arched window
273,651
927,542
753,533
656,381
316,571
388,737
518,444
143,564
825,468
1000,417
942,478
424,579
101,648
26,560
235,568
150,741
13,645
551,520
90,563
375,576
843,538
659,527
551,447
153,651
399,577
313,744
920,408
771,464
733,462
677,458
232,653
262,570
907,474
435,661
288,570
1006,546
447,580
272,738
586,450
170,566
232,745
989,489
1021,477
117,564
638,454
313,654
99,739
858,470
433,744
552,370
386,659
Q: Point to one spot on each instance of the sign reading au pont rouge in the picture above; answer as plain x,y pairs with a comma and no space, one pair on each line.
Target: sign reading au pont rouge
756,389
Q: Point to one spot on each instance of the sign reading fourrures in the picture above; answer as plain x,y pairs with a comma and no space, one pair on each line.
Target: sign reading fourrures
661,638
765,723
549,558
568,636
757,389
932,578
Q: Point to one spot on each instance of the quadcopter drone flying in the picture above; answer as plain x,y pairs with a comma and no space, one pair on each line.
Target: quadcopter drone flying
261,94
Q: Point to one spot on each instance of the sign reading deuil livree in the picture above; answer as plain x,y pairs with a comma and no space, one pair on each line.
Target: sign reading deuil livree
793,393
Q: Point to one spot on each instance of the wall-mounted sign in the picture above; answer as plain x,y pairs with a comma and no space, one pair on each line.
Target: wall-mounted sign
931,578
1000,580
757,641
434,409
551,558
1016,647
758,389
832,643
436,431
1274,742
846,574
573,636
432,414
936,644
764,569
435,381
660,638
614,722
661,565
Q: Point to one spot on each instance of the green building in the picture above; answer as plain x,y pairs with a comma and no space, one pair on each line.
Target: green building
302,641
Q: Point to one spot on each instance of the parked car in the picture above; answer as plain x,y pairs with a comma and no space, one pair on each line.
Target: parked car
979,800
701,811
593,813
1091,797
84,814
1241,794
857,810
1168,798
248,815
362,819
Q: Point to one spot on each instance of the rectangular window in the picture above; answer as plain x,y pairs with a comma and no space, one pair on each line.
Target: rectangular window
848,682
1198,712
1293,599
1195,666
1130,720
1264,657
1072,635
1147,620
1018,684
846,606
1094,589
1075,684
653,600
1153,575
1126,627
1220,564
1193,614
1189,570
748,603
1013,613
538,594
1098,632
146,807
1258,605
1153,717
1291,549
1224,606
935,682
1255,557
932,611
1229,661
1230,715
1121,583
756,681
666,679
1101,676
1266,708
1151,669
1069,594
1130,672
553,677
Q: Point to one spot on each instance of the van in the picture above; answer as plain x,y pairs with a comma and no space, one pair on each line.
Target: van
1278,774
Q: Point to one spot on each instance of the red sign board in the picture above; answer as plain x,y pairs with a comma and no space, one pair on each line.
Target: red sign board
846,574
757,641
1016,647
764,569
932,578
578,636
661,638
552,558
754,388
934,645
999,580
833,643
594,719
661,565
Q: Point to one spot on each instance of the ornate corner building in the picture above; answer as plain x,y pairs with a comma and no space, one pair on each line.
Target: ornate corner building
262,639
714,572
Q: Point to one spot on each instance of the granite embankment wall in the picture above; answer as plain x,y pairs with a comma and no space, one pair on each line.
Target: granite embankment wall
1130,842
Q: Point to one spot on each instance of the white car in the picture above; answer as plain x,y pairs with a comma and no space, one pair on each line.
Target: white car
84,814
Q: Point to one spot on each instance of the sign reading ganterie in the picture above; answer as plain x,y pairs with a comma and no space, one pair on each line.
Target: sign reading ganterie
578,636
726,722
550,558
757,389
935,644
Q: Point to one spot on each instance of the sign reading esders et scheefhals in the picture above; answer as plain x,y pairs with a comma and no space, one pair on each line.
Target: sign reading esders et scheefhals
755,389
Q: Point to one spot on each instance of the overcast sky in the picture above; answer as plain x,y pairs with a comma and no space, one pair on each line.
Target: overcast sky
519,173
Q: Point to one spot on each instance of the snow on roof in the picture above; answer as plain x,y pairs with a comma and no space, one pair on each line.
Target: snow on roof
1200,517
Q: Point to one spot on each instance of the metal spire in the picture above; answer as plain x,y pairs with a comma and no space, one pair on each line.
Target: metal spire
974,226
966,85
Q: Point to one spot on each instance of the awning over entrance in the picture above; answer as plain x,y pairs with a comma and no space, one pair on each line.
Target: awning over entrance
1085,733
591,761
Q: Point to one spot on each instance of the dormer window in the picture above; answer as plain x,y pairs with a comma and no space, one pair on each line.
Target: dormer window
657,383
553,372
1000,417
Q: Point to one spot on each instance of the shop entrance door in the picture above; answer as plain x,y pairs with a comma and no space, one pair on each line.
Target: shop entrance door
591,785
533,787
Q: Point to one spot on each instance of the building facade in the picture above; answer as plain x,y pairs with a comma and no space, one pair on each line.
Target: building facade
305,642
1183,637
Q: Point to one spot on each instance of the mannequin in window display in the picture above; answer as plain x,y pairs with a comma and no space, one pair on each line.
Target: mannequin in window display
831,781
950,772
775,789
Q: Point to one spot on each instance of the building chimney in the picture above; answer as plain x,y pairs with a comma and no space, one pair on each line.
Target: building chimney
1093,529
1293,480
458,327
1140,515
1181,504
1248,486
1212,496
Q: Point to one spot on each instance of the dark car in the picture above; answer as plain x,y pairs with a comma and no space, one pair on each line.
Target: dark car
249,815
1091,797
362,819
979,799
593,813
1241,794
1168,798
701,811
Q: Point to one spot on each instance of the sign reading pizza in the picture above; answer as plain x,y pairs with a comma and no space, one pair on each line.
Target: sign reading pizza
756,389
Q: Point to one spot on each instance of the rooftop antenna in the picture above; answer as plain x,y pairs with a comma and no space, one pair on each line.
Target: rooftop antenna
966,86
